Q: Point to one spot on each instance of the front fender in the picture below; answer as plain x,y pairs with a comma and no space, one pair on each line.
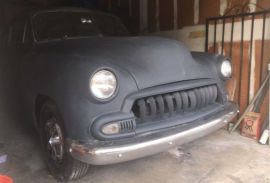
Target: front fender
214,61
65,79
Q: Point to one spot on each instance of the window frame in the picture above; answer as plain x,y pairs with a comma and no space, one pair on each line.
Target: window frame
28,31
26,27
35,36
11,33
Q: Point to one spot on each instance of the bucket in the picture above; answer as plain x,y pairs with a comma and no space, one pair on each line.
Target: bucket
5,179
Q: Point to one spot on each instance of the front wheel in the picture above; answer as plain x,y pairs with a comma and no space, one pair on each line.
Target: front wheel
52,134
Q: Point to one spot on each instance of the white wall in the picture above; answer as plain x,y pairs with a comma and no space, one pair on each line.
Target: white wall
185,35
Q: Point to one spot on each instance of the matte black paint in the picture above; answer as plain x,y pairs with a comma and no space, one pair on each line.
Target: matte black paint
62,69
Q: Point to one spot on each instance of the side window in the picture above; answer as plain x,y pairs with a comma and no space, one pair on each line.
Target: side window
3,39
27,36
16,33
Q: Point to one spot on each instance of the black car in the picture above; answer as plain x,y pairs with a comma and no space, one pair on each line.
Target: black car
99,96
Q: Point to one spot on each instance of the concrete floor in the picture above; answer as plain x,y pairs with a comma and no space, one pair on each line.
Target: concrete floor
219,157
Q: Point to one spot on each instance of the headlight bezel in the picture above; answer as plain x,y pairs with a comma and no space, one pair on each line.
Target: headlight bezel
115,90
220,69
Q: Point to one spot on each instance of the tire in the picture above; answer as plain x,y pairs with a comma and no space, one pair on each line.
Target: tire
53,137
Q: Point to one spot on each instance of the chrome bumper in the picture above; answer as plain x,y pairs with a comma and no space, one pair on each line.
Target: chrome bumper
111,154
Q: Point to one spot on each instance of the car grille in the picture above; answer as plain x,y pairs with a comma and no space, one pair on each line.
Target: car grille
175,102
127,126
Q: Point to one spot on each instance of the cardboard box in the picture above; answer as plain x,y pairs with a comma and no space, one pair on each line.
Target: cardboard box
251,126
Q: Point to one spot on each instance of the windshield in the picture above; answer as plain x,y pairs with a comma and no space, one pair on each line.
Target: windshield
61,25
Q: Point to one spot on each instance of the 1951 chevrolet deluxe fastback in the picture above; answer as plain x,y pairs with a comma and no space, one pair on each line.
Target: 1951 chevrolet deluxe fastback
99,96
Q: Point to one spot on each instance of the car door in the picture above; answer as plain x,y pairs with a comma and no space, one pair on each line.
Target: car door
16,36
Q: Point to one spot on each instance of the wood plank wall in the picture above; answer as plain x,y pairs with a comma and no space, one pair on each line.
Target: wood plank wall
152,15
265,4
185,13
166,14
208,8
162,20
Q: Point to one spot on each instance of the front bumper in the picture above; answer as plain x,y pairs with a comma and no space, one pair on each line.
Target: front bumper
148,145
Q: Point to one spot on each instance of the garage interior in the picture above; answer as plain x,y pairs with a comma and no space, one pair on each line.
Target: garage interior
235,28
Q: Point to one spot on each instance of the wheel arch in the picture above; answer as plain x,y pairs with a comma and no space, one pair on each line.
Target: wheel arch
39,101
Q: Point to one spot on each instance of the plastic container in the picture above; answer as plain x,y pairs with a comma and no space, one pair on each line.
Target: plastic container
5,179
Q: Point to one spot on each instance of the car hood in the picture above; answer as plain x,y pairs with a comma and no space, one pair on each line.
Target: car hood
151,61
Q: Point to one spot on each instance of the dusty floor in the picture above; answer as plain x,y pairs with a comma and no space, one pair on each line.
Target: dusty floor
218,158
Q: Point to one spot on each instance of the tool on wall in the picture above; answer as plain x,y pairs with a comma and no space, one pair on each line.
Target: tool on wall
254,102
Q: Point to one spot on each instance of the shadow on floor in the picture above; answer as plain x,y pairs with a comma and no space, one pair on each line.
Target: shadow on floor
18,138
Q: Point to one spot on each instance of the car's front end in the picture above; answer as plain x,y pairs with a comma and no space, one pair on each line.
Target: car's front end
155,121
131,109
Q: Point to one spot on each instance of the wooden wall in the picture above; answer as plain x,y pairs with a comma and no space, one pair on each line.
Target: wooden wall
160,12
185,13
164,19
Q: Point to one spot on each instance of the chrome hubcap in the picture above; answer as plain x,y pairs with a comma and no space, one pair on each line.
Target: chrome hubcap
55,143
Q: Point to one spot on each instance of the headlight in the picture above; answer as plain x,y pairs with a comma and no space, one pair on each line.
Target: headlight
226,69
103,84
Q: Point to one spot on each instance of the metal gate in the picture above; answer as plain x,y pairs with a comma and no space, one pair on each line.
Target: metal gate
245,38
